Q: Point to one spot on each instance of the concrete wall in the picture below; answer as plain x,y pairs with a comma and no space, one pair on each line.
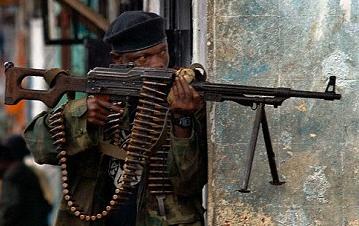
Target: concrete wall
297,44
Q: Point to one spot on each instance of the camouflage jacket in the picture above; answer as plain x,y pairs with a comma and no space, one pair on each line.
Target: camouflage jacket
87,166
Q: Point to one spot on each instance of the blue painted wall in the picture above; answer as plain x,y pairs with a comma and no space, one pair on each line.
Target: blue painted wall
297,44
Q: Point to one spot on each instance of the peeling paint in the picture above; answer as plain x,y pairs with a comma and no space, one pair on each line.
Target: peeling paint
356,170
351,28
354,223
336,64
302,106
321,22
290,153
247,70
240,214
292,217
316,185
313,135
286,140
211,119
346,7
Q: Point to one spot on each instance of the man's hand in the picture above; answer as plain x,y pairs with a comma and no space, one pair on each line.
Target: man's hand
186,101
98,108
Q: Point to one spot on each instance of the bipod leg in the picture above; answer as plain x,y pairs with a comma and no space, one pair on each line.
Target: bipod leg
270,152
252,148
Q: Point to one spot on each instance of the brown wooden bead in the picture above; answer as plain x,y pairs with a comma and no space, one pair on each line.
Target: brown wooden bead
62,153
117,190
73,209
64,172
87,218
67,197
108,208
63,159
77,213
82,217
114,197
112,202
93,218
65,185
104,213
65,191
70,203
63,166
99,216
64,178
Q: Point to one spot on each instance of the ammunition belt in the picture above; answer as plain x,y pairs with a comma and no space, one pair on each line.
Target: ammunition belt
147,134
158,178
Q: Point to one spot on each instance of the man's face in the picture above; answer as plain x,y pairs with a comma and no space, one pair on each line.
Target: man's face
156,57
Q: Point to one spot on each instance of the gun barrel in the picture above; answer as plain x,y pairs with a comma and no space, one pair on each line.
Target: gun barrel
317,95
230,90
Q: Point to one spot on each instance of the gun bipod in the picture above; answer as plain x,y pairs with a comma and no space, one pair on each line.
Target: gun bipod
260,118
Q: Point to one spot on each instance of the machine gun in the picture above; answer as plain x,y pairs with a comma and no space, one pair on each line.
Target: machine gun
123,82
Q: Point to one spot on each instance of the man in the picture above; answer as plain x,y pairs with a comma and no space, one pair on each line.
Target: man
136,37
22,202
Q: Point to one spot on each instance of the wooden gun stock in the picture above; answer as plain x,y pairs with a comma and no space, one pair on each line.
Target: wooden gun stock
14,92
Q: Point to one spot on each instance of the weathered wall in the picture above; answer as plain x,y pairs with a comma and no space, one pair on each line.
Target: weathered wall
297,44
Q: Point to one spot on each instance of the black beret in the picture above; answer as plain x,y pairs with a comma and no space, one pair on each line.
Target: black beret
134,31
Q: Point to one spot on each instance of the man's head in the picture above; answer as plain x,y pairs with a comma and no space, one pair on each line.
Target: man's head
138,37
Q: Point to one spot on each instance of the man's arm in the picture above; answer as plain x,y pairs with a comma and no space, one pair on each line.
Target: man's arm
82,120
188,158
78,137
188,155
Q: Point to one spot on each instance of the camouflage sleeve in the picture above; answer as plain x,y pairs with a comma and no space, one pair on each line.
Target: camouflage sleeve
78,138
188,159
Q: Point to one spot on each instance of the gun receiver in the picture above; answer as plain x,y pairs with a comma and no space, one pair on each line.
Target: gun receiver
123,82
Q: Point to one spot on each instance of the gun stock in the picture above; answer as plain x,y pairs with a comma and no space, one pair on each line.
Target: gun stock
14,92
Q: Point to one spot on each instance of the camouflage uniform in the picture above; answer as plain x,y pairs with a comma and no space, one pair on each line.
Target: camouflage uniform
92,187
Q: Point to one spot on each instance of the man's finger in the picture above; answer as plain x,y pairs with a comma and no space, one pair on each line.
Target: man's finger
175,89
116,108
187,91
181,91
104,104
101,110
